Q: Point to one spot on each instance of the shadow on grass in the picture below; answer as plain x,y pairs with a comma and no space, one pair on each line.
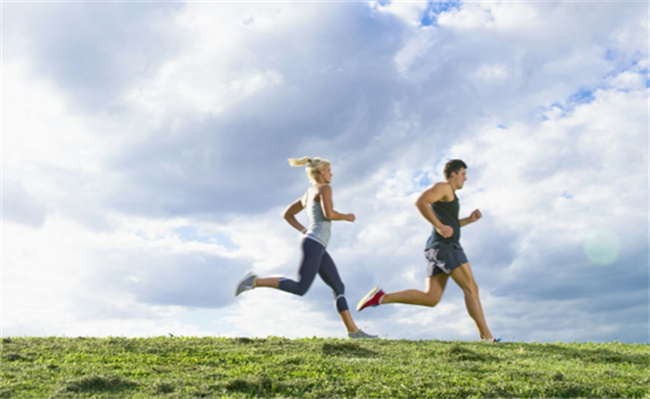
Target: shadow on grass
245,340
459,352
346,349
162,387
250,384
12,357
96,383
598,355
263,386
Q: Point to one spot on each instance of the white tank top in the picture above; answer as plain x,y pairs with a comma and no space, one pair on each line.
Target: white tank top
319,225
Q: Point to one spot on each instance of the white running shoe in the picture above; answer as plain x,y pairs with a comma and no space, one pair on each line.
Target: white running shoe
492,340
247,284
362,335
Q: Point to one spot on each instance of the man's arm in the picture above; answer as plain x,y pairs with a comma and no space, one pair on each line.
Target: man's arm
476,215
437,192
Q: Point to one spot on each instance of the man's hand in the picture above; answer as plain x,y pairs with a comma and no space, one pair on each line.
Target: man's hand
350,217
476,215
445,231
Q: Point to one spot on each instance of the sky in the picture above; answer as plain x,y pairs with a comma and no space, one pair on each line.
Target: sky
145,147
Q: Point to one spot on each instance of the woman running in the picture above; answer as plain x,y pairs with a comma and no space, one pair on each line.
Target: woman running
315,259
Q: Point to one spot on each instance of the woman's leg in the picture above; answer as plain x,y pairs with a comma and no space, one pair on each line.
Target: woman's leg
312,252
271,282
330,275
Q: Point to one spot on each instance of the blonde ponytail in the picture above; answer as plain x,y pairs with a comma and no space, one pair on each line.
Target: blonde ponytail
299,161
313,165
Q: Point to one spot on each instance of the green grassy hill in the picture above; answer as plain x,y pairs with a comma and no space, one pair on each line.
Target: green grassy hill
177,367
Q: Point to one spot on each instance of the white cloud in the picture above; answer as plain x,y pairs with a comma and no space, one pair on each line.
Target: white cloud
274,313
492,73
471,16
37,124
627,80
21,207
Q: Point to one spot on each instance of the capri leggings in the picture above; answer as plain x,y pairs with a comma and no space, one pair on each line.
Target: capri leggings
315,259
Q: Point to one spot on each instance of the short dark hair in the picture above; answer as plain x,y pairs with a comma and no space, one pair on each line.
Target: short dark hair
455,165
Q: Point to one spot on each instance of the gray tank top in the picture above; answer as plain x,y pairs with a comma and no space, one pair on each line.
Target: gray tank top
319,225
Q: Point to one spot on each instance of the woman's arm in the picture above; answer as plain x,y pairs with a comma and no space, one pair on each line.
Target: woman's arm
290,215
327,204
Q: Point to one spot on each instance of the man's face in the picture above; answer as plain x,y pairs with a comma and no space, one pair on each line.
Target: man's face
457,179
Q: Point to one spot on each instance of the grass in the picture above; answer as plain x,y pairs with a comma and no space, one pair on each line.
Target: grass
181,367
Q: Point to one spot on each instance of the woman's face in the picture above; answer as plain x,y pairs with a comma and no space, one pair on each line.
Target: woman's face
326,174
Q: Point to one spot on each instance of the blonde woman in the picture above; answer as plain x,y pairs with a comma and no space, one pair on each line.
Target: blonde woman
315,259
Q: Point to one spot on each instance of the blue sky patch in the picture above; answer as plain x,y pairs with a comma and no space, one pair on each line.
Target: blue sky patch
422,180
435,8
582,96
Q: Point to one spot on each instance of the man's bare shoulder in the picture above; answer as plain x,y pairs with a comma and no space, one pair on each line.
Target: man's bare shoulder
444,190
438,192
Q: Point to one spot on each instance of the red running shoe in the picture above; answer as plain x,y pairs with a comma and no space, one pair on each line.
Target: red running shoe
372,299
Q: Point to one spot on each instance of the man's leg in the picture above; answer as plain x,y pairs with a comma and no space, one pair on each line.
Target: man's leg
434,290
463,276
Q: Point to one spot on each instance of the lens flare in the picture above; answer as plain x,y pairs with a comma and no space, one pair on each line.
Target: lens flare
601,246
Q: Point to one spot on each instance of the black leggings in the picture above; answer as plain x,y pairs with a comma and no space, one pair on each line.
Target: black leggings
315,259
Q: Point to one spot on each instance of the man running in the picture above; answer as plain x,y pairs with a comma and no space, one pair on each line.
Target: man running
439,205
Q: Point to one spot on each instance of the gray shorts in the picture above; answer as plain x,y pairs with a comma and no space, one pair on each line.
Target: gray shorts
444,258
